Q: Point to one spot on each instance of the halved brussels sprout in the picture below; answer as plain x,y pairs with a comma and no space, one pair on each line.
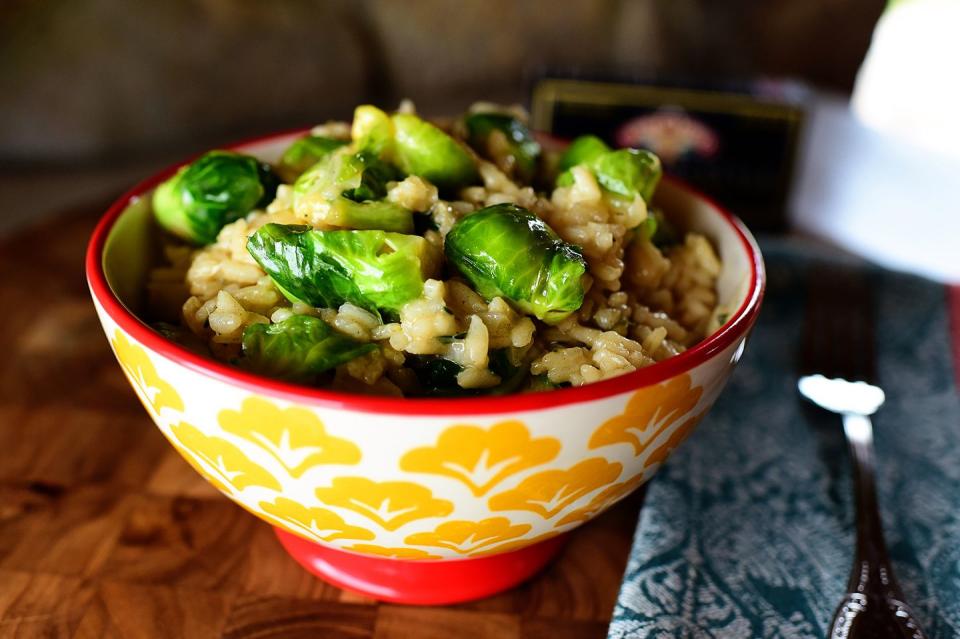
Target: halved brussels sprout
506,141
425,150
582,150
626,173
209,193
298,348
375,270
344,190
373,131
304,153
507,251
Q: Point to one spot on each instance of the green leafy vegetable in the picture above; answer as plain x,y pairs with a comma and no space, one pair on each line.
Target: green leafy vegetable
298,348
214,190
346,190
583,150
511,375
415,145
507,251
371,269
626,173
367,174
423,149
373,131
304,153
438,375
505,140
384,216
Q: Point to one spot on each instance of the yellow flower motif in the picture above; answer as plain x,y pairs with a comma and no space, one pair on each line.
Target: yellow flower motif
482,458
610,496
603,500
391,504
395,553
551,491
313,523
649,412
660,454
295,437
468,537
151,389
222,463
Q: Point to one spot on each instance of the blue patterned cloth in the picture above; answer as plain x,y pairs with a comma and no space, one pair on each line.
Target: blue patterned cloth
748,529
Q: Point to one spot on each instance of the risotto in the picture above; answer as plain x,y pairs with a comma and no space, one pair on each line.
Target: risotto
399,257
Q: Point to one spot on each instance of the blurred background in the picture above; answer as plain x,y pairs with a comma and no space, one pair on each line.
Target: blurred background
96,94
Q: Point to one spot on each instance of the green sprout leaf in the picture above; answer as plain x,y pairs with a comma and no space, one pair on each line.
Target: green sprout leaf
299,348
626,173
304,153
375,270
423,149
214,190
373,131
349,188
583,150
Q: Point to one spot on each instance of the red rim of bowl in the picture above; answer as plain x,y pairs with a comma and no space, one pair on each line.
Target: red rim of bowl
735,327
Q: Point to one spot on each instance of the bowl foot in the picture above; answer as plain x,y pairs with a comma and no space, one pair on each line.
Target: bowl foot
421,582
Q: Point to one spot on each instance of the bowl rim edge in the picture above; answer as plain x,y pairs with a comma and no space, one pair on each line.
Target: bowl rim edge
736,326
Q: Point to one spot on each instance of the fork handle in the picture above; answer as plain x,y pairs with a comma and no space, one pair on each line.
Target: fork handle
874,605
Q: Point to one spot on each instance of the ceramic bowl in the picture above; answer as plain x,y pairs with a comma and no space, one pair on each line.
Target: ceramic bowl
417,500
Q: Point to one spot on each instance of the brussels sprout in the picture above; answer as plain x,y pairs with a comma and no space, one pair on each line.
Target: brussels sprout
625,172
214,190
373,131
373,173
628,172
298,348
507,251
304,153
383,216
505,140
371,269
582,150
423,149
343,190
359,176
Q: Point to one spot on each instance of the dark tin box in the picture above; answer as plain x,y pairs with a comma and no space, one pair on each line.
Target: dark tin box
735,143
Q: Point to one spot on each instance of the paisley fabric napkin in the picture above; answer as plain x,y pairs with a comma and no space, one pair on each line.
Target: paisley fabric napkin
748,529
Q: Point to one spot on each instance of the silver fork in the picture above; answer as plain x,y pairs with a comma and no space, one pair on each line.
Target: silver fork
838,374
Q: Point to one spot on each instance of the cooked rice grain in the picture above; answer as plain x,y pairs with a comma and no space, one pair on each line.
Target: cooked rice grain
643,304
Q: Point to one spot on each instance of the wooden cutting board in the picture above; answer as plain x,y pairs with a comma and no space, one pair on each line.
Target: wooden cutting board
106,532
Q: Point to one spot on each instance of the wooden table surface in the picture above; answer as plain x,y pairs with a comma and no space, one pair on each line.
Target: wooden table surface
106,532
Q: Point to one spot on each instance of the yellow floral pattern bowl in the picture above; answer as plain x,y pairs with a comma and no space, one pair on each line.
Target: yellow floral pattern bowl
445,484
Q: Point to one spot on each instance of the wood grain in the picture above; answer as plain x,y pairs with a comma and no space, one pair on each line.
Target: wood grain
106,532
